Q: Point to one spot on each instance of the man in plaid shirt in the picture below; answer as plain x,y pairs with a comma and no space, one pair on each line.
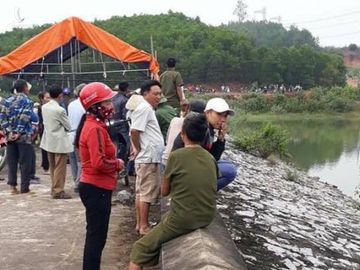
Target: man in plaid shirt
15,121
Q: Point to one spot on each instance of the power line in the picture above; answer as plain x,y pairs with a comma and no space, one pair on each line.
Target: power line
325,18
340,35
334,25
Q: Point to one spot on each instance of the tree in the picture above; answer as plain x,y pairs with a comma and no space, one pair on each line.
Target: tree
240,10
242,52
353,47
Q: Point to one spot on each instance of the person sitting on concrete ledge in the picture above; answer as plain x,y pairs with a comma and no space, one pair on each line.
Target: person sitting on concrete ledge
190,178
217,111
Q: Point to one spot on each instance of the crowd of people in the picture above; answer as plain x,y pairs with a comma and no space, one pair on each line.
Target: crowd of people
276,88
171,145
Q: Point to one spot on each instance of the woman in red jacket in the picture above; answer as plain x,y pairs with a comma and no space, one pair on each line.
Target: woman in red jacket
99,166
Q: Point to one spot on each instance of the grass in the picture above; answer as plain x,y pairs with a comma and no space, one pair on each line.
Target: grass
291,175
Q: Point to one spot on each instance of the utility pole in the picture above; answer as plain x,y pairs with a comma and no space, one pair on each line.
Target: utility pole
152,45
277,18
263,12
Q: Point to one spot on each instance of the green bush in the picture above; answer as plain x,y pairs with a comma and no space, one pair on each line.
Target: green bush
291,175
254,103
270,139
279,100
339,104
345,92
277,109
314,106
295,105
317,93
335,99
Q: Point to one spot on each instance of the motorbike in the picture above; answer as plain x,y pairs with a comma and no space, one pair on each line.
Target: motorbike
2,150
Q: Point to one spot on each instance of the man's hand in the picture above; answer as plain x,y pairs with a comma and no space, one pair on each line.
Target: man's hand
222,131
121,166
133,154
135,143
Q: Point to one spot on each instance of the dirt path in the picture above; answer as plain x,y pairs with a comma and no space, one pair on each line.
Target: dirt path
38,232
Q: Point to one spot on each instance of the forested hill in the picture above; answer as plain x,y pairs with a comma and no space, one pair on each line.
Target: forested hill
270,34
215,54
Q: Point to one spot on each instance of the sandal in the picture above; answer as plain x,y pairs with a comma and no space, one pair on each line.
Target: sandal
14,191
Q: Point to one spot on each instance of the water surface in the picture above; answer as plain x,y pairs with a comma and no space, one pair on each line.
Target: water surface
325,148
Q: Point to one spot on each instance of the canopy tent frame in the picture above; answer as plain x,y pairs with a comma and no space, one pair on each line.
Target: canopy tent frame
75,68
65,56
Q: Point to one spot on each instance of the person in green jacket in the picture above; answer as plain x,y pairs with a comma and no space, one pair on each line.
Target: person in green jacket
164,114
171,85
190,178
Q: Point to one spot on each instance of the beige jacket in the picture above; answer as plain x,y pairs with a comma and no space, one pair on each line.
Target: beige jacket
56,127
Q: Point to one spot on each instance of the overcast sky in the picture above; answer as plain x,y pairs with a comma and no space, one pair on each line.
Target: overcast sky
335,23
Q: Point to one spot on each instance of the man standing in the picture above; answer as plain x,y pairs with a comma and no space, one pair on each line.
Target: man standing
172,83
56,141
120,132
15,119
76,112
148,145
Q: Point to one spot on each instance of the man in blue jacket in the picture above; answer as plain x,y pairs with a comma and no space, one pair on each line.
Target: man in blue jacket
15,121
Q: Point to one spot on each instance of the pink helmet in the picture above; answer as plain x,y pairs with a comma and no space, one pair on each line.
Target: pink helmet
95,92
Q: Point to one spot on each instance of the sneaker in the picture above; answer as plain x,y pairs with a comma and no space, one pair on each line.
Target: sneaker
35,181
34,178
61,195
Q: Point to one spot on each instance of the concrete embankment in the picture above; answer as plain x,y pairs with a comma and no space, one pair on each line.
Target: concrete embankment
280,218
209,248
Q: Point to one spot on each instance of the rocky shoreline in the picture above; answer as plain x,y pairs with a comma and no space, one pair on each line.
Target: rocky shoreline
280,218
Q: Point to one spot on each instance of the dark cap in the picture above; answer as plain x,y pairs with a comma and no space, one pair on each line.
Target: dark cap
123,86
197,106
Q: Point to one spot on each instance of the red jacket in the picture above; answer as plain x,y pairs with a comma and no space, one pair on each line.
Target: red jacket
97,154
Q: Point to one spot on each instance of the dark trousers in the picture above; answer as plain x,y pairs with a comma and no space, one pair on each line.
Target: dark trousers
123,145
44,160
33,163
19,153
97,202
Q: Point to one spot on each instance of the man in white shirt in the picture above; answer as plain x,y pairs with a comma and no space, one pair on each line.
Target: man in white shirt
148,145
56,141
76,112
